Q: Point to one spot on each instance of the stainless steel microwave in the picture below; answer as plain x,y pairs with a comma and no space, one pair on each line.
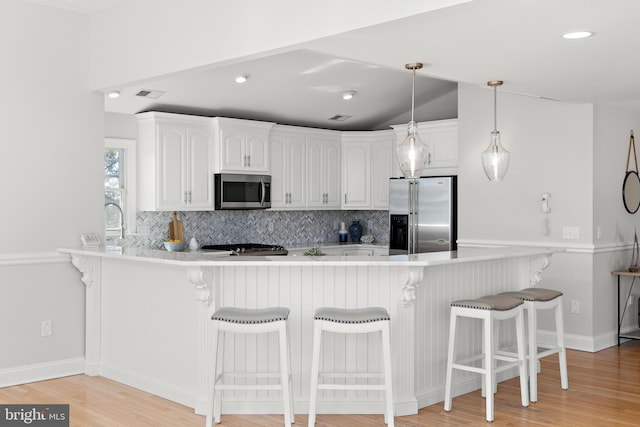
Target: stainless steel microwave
239,191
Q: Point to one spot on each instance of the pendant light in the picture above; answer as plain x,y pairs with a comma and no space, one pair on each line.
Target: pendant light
495,159
412,152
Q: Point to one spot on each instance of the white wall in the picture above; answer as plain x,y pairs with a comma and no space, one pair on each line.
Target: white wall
51,184
611,136
120,126
551,145
577,153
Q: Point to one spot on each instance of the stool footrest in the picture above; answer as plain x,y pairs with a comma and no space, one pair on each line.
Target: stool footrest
350,375
351,387
248,387
250,375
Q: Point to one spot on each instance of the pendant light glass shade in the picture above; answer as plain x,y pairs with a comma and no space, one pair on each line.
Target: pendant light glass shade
412,152
495,159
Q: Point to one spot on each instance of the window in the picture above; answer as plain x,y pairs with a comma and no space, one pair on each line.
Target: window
119,187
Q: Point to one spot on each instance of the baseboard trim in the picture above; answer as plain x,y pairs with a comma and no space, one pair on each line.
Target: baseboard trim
41,371
150,386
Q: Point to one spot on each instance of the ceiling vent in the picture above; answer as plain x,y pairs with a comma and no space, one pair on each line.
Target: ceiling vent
148,93
340,117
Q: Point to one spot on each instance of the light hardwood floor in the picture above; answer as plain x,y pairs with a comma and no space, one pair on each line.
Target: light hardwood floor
604,390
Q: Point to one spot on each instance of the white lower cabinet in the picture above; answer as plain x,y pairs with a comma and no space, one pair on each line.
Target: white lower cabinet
345,250
366,169
175,163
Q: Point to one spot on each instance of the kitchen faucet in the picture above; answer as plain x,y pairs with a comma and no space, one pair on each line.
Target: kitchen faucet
121,217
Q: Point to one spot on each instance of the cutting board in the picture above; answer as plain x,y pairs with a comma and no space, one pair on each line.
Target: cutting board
175,229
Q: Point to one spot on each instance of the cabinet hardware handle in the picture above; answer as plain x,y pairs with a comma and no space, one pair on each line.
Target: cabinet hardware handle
249,161
189,196
345,198
185,197
429,159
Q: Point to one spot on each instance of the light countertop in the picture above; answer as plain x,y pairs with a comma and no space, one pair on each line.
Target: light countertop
221,258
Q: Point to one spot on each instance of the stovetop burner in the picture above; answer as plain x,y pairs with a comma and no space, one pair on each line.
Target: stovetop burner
248,249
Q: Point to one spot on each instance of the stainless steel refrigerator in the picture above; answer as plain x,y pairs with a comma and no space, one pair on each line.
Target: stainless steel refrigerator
435,214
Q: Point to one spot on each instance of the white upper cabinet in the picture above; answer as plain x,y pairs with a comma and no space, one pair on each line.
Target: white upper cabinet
288,157
175,164
366,168
442,138
305,168
241,146
323,170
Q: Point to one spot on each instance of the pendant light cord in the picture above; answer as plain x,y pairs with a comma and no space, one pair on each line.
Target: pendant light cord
413,92
495,109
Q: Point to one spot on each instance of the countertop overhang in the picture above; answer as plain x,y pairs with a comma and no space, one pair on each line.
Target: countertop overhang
222,258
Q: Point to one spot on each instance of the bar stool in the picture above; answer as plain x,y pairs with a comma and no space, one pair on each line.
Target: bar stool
488,309
543,299
346,321
250,321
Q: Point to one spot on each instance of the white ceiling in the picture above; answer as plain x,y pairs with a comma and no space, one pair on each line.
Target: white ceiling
518,41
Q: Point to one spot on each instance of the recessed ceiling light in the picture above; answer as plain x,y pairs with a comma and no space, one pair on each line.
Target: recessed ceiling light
577,35
241,79
348,95
113,94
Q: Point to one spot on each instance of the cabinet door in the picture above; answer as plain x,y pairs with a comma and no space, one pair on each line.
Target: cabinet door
232,156
443,145
171,167
315,174
381,170
296,160
356,159
279,172
200,191
332,172
256,151
358,252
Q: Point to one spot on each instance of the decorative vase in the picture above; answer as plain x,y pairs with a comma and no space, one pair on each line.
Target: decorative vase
355,231
342,234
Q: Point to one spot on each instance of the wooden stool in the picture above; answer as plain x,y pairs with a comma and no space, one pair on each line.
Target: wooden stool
346,321
543,299
250,321
488,309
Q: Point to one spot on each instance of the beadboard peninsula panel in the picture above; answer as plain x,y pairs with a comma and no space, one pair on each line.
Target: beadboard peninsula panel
148,320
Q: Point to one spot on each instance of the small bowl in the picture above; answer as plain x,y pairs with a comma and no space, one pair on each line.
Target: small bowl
367,239
174,246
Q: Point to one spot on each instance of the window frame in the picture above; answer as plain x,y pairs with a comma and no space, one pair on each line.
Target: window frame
128,147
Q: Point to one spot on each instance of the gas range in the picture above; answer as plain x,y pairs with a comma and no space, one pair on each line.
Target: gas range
248,249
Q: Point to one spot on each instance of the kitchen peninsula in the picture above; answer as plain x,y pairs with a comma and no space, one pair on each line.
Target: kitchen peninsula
148,311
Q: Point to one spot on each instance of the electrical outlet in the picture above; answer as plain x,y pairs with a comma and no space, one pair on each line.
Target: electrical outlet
270,226
46,328
575,306
572,233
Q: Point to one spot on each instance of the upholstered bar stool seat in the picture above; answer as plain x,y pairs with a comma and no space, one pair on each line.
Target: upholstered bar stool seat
542,299
250,321
489,309
356,320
